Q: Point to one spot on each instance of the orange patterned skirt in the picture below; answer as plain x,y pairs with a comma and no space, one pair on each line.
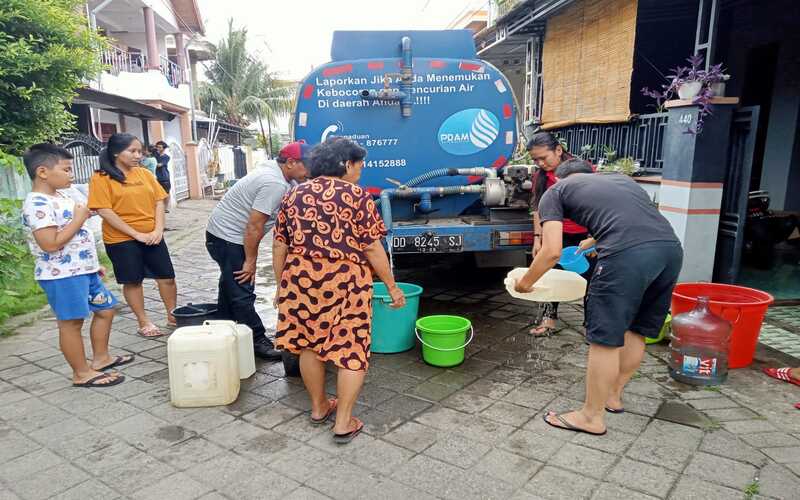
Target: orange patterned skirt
326,305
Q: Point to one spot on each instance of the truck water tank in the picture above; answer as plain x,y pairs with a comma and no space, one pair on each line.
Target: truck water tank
461,110
203,366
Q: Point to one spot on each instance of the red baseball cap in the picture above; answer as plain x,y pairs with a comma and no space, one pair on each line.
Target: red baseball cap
298,150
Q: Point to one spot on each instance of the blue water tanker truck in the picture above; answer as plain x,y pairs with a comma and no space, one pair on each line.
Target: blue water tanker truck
440,128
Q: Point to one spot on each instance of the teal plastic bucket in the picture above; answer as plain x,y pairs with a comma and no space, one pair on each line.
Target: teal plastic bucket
393,329
444,339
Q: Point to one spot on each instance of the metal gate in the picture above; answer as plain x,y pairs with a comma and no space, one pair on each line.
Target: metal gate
86,150
179,173
239,162
734,197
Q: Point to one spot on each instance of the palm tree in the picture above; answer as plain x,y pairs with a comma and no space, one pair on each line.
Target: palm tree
241,88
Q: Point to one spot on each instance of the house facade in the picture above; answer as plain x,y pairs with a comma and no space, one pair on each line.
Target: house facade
578,66
146,87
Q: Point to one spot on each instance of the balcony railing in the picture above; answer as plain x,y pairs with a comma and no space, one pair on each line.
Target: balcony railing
641,139
499,8
172,71
119,60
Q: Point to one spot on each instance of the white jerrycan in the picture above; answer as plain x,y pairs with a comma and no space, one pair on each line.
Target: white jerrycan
244,340
556,285
203,366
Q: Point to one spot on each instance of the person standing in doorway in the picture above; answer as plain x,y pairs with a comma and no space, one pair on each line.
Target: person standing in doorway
235,229
162,165
639,259
131,203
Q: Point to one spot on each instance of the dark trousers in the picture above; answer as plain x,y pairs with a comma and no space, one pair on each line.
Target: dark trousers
571,240
235,301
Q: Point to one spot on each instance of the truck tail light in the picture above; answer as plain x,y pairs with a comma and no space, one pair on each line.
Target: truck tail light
515,238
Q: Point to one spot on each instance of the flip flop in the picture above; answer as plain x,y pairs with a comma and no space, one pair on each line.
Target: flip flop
118,361
348,436
615,410
567,426
149,332
782,374
93,382
332,404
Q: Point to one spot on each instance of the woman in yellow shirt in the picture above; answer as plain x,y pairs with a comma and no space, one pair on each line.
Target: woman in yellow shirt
131,203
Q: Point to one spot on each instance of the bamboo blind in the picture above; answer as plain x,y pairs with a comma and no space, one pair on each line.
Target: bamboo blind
587,62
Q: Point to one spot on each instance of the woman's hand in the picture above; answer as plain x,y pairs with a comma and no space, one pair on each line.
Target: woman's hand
587,244
156,236
398,297
142,237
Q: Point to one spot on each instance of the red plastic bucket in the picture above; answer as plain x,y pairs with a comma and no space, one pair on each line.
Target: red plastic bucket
743,307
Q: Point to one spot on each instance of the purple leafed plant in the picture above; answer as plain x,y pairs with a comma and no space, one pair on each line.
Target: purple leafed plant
686,74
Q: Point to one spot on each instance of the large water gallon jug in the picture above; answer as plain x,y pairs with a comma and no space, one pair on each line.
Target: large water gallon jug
203,366
699,346
555,285
244,341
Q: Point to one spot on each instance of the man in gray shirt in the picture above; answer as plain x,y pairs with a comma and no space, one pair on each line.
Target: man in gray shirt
236,227
639,259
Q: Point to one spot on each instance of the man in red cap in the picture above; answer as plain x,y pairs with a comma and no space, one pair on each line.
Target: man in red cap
236,227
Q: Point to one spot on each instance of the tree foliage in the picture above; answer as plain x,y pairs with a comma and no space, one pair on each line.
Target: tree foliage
46,52
241,87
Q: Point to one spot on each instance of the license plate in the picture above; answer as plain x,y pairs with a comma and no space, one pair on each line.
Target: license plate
428,243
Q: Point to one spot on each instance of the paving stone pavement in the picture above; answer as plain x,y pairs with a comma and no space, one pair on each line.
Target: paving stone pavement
473,431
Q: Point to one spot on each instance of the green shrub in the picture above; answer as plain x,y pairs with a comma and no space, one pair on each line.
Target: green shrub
19,292
46,52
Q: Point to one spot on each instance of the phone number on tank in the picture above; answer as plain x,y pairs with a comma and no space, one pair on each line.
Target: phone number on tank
371,143
385,163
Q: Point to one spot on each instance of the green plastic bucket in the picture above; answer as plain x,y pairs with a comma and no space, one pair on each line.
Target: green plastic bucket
663,333
444,339
393,329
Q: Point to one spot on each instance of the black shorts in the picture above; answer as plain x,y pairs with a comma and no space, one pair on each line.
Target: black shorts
134,261
632,290
166,185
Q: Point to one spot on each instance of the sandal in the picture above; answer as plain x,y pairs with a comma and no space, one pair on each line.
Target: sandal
118,361
95,381
566,425
332,404
783,374
615,410
348,436
150,331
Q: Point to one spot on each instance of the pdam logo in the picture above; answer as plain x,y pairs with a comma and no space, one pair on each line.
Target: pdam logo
469,131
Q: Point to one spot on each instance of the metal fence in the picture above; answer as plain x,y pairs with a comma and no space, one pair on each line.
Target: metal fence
179,172
86,150
119,60
172,72
641,139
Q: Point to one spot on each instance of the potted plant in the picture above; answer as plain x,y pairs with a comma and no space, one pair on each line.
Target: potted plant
692,82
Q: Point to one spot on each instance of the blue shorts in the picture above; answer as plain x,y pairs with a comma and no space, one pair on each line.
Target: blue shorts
77,296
